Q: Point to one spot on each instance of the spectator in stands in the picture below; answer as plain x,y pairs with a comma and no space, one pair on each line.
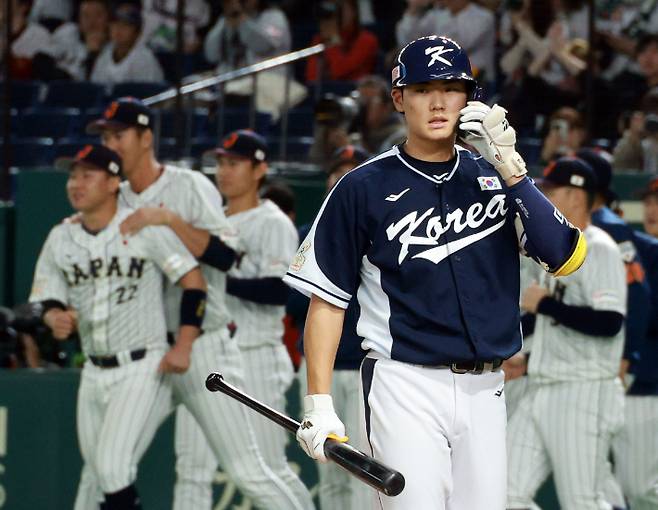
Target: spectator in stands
650,213
637,150
159,31
566,134
124,59
467,23
620,32
248,31
75,47
546,56
27,39
51,13
377,121
626,92
351,50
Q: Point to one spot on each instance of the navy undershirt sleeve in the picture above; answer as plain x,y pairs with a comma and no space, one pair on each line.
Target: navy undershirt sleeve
548,236
218,254
264,291
583,319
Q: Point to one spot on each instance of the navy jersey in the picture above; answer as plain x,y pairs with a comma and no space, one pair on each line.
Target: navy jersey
638,288
644,365
432,257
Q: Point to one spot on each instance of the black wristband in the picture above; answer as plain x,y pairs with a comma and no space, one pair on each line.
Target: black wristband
218,255
193,307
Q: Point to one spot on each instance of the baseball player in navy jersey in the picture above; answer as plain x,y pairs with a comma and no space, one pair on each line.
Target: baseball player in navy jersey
191,206
574,402
636,446
90,278
426,235
336,488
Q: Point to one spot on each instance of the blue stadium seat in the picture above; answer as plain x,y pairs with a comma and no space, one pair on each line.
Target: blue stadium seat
140,90
300,123
32,152
169,123
56,123
238,118
22,94
296,147
74,94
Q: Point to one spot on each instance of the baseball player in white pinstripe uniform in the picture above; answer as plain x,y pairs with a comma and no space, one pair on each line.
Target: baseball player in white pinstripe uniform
256,293
91,279
574,402
189,203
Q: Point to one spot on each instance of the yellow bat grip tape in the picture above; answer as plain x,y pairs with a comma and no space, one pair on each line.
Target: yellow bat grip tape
343,439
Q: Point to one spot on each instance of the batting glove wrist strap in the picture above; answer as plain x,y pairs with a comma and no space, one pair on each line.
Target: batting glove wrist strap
319,421
489,132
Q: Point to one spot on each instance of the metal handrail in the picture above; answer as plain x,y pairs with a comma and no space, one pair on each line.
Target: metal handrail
233,75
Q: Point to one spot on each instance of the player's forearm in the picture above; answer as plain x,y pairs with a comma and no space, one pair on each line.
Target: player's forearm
194,239
548,236
324,324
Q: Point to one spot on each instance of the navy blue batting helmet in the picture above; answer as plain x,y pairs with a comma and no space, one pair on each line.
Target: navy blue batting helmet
433,58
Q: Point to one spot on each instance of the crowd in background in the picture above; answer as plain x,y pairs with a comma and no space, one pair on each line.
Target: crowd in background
533,58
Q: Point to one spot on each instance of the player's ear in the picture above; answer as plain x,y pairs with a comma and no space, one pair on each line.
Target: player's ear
398,96
146,139
260,170
113,183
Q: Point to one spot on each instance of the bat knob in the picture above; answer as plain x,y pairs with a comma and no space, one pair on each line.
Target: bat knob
214,381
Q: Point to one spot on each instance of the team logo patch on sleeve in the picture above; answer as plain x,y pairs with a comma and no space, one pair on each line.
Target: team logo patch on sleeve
299,259
489,183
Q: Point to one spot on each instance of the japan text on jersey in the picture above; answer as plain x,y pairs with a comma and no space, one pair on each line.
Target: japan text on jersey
432,259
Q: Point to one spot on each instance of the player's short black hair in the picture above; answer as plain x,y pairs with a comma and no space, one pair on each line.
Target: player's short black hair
645,41
282,195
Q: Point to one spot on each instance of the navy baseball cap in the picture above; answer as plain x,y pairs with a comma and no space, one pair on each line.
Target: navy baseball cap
432,58
94,156
602,168
243,143
123,113
348,154
569,171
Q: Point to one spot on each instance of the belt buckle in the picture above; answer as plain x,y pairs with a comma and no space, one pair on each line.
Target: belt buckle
455,370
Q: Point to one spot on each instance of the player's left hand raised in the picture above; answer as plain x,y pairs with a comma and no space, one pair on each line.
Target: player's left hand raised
489,132
144,217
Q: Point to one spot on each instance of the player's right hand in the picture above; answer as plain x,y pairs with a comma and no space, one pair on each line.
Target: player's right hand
176,360
319,421
62,323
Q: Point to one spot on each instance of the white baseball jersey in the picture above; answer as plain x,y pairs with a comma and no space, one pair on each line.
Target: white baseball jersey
560,353
196,200
222,424
139,65
114,284
269,240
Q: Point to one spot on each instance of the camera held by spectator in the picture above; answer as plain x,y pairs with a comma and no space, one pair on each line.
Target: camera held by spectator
566,134
637,150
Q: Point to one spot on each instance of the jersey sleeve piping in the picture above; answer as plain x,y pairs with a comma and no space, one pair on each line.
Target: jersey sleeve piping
307,288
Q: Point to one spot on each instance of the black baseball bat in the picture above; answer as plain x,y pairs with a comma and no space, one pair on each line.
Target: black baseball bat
365,468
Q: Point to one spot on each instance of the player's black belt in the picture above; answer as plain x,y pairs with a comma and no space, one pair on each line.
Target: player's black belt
474,367
113,361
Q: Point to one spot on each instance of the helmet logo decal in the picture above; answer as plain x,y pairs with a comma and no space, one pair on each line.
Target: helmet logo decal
435,52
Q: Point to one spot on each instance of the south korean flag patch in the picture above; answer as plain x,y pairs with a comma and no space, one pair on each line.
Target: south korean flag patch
489,183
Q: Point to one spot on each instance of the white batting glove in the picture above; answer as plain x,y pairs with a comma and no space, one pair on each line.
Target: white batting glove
319,422
489,132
